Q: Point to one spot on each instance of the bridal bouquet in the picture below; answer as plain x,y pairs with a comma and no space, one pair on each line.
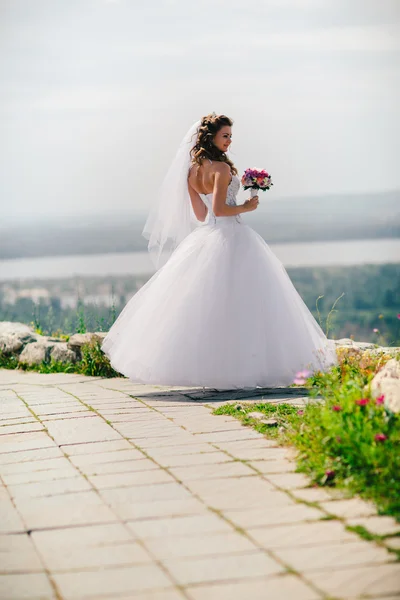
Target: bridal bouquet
256,179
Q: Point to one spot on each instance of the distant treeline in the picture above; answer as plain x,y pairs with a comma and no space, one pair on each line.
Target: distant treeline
371,300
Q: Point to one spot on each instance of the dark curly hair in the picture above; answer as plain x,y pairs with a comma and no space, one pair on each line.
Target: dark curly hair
204,147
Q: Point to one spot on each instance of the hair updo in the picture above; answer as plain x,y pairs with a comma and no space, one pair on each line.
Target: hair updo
204,146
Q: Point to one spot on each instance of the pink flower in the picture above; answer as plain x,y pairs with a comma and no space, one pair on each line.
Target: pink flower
380,399
300,412
336,408
330,474
376,330
299,381
303,373
380,437
362,401
398,316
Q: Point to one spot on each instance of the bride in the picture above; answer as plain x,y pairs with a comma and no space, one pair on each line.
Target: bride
221,310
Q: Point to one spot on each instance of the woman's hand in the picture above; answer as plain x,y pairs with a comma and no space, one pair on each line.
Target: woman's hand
251,204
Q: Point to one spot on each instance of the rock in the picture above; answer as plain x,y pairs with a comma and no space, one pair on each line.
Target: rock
14,336
7,327
344,342
271,422
61,353
256,415
10,343
77,340
34,353
364,345
387,382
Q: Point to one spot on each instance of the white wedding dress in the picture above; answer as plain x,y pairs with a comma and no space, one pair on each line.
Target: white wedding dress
221,313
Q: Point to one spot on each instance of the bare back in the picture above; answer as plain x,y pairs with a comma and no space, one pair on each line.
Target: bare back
201,177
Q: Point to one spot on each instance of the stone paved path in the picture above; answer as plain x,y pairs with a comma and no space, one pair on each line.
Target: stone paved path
115,490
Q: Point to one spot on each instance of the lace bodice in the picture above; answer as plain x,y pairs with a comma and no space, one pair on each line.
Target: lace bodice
233,189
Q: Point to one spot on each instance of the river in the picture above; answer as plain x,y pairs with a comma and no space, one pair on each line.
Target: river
305,254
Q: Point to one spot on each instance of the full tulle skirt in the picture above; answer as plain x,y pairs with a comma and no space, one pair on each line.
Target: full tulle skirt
221,313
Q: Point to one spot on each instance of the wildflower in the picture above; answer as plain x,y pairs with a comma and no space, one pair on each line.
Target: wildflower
300,412
329,474
380,317
380,437
299,381
338,438
398,316
336,408
380,399
362,401
376,330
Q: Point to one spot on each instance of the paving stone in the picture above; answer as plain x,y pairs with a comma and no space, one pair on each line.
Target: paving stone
211,544
19,456
304,534
352,583
10,521
188,525
123,466
30,585
193,460
288,481
64,510
213,471
113,581
117,480
38,476
165,594
35,466
284,511
98,546
222,568
313,494
25,441
348,509
158,508
393,542
21,428
285,587
83,460
96,447
344,555
180,450
81,430
146,493
377,525
18,554
273,466
49,488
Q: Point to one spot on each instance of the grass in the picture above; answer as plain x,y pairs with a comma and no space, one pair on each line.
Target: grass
344,437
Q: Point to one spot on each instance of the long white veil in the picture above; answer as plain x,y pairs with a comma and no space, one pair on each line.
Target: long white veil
172,218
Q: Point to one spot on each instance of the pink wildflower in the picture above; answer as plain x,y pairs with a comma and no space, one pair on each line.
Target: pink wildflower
330,474
376,330
362,401
336,408
380,399
300,412
380,437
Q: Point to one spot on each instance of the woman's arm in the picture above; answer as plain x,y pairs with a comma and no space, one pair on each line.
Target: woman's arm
221,183
199,208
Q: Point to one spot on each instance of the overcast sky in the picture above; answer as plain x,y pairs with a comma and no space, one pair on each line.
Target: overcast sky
95,96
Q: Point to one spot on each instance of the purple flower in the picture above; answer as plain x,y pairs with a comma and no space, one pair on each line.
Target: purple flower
329,474
380,437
